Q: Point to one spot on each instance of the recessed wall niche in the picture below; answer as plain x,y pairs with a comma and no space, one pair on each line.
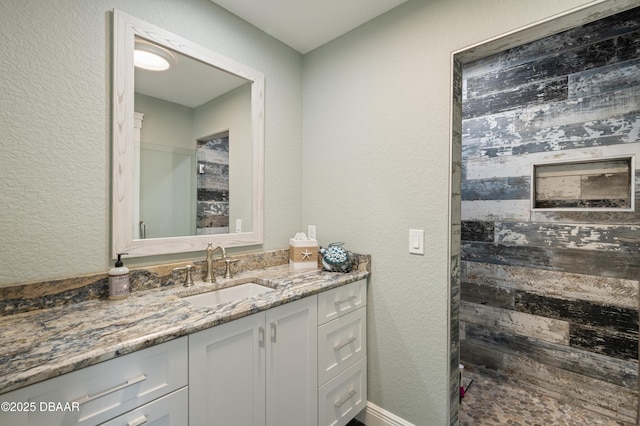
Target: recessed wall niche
603,184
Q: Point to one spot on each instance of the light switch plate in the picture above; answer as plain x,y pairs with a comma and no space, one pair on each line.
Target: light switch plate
416,241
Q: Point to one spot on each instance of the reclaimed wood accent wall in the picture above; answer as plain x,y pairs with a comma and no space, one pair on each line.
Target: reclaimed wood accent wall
550,298
454,283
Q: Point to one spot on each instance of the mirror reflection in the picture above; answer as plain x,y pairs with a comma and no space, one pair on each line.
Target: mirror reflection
192,158
188,145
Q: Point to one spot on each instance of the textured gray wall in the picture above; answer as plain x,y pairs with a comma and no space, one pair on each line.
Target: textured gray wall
55,121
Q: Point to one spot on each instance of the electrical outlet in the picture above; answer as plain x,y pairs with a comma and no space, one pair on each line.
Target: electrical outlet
238,225
311,232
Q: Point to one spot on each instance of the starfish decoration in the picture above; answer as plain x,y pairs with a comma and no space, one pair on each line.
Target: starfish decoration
306,255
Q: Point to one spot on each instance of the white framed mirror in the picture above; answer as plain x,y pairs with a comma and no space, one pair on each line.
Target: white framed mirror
188,146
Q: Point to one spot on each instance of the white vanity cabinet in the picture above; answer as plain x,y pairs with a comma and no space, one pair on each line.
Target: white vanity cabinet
257,370
302,363
342,347
104,391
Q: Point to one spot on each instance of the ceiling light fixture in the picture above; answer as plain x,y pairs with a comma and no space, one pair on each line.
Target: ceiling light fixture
152,57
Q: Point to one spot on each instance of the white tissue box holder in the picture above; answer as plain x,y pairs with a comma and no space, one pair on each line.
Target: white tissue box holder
303,254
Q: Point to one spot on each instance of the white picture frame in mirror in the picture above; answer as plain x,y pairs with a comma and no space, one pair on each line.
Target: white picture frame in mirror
124,190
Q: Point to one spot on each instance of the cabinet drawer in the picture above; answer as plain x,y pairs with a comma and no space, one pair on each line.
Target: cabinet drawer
341,343
169,410
344,396
341,300
103,391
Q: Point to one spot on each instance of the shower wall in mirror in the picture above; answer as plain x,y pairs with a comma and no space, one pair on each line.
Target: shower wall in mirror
213,185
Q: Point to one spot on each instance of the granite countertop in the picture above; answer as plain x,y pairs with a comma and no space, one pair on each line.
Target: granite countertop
46,343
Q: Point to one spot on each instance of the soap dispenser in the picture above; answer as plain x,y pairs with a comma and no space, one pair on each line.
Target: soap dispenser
119,280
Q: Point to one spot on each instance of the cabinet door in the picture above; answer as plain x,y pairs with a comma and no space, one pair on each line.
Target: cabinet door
292,355
226,374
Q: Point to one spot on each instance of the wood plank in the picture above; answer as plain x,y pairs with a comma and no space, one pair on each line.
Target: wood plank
557,187
488,295
601,29
603,341
547,329
610,78
492,210
607,204
588,262
520,165
618,238
500,254
544,68
477,231
607,264
503,98
504,188
571,286
607,185
586,363
605,218
614,318
504,134
481,357
583,56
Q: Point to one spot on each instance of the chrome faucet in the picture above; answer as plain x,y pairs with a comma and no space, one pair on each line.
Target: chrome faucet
210,278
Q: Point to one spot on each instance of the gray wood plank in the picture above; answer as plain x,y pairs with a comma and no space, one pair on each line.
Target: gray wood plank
547,329
498,297
586,363
588,262
614,318
603,341
574,124
509,188
477,231
571,286
578,236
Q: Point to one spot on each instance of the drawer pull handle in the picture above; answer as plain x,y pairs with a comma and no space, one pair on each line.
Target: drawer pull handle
261,337
274,332
347,300
340,403
137,422
129,382
342,345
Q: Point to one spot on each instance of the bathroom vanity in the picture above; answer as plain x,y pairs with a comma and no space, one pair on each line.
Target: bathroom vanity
292,355
272,346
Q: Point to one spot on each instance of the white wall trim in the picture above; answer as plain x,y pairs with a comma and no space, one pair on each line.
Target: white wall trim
373,415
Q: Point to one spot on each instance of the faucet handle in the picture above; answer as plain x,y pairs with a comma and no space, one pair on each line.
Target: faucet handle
227,269
188,281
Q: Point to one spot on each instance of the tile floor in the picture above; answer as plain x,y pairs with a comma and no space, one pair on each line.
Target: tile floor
490,402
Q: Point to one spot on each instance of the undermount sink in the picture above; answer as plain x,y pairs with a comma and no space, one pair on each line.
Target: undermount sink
228,294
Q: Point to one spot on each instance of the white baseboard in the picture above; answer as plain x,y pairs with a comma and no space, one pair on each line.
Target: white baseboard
373,415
